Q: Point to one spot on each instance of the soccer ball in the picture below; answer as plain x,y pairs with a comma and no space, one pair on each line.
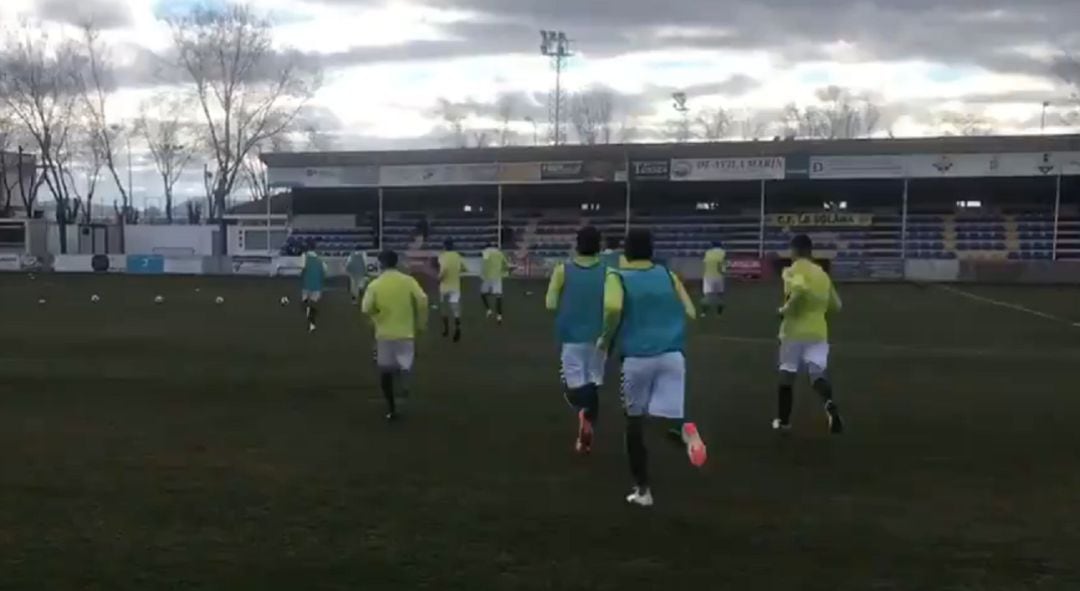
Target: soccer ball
159,300
41,302
284,301
219,300
95,299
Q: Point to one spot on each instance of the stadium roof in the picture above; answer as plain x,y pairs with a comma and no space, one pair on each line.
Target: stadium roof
620,152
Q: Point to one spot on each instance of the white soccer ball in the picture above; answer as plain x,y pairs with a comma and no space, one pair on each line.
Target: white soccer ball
284,301
159,299
41,302
219,300
95,298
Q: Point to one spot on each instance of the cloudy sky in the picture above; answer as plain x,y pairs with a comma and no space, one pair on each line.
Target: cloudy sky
388,62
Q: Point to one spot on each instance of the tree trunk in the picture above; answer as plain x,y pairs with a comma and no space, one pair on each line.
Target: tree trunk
223,227
168,204
61,224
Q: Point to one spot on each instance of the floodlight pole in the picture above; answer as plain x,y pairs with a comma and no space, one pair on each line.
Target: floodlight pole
381,215
1057,217
761,227
555,45
904,222
499,222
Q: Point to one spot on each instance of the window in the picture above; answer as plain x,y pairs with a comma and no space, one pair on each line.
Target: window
590,207
707,206
968,204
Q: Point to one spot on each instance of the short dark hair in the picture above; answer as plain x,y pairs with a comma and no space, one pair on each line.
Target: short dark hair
448,244
718,243
588,241
388,259
614,242
639,245
802,245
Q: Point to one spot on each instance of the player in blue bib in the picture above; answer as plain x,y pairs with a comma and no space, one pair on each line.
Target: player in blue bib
312,278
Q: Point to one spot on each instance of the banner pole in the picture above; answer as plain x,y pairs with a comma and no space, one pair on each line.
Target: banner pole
381,215
499,222
761,227
904,222
1057,218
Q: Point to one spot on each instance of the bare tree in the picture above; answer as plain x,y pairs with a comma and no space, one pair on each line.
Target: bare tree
41,87
246,91
8,170
86,154
98,85
453,118
964,123
749,125
170,140
482,138
505,107
839,114
714,124
591,114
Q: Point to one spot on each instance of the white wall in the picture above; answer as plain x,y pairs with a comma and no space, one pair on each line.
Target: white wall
144,239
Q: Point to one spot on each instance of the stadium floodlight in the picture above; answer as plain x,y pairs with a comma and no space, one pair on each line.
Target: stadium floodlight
683,110
1045,106
556,46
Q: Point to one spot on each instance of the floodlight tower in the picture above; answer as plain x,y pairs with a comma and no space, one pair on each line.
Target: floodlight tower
556,46
683,110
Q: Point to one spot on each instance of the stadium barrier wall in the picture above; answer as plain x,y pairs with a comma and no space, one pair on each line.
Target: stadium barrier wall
1021,273
932,271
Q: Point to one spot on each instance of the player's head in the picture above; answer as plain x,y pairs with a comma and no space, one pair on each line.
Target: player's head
388,259
718,244
588,241
639,245
448,244
802,247
613,243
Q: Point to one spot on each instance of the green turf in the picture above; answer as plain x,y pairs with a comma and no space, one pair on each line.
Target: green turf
197,446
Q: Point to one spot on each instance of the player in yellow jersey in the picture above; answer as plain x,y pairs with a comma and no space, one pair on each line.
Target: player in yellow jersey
713,279
451,266
397,306
494,267
809,295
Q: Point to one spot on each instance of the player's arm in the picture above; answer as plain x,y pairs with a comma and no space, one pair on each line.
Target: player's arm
796,287
555,286
613,308
505,264
367,304
835,304
420,300
688,304
443,268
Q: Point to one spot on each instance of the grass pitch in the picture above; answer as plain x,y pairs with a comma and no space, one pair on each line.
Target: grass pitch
201,446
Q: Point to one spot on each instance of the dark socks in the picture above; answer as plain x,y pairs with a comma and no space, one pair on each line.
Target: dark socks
445,326
824,390
312,313
498,305
457,329
784,396
386,380
591,402
487,303
636,452
719,309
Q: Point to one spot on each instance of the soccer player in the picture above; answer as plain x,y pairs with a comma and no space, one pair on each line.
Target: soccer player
451,266
712,284
809,295
646,309
312,278
356,268
494,268
576,294
397,305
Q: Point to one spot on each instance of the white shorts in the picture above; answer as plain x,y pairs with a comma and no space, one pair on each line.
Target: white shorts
395,355
357,284
310,296
655,386
813,355
582,363
492,287
712,286
450,296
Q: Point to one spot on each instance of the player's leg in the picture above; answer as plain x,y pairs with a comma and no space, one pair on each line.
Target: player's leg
485,296
313,308
444,311
498,291
387,364
719,288
789,366
816,358
637,380
573,367
668,401
455,308
594,376
405,357
708,299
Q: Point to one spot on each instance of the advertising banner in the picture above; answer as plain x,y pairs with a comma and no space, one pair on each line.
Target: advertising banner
740,268
562,171
867,269
822,219
728,169
857,167
145,264
439,174
519,172
323,176
650,170
10,262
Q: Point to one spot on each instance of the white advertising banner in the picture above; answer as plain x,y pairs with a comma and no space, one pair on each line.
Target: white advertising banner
728,169
438,174
857,167
323,176
10,262
1030,164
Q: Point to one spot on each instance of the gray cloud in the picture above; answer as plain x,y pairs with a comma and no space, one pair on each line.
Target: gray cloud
106,14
